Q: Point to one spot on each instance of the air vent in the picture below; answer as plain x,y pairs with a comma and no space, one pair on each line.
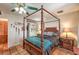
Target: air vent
61,11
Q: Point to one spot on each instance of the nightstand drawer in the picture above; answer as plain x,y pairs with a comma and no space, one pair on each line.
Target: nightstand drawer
67,46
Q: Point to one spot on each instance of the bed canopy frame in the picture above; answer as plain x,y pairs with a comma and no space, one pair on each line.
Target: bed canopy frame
42,25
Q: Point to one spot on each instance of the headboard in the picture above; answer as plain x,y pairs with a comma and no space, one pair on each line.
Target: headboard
51,29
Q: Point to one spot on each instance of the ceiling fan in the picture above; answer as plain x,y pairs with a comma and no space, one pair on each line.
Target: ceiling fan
21,8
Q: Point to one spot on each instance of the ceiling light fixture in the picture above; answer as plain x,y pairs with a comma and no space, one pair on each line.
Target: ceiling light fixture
16,9
20,12
20,8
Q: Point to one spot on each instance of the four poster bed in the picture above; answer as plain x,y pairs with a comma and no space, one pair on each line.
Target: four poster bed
46,40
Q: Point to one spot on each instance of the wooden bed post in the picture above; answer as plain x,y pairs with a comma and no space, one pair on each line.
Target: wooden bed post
27,28
42,31
59,29
23,32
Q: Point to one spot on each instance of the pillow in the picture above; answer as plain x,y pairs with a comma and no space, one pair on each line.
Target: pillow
45,33
47,36
50,33
54,34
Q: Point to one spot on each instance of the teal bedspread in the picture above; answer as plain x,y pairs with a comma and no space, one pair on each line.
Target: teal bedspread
37,41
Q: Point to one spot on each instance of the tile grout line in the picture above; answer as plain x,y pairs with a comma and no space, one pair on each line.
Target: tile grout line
17,50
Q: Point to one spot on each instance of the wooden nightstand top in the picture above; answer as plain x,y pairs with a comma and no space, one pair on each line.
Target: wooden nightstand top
68,38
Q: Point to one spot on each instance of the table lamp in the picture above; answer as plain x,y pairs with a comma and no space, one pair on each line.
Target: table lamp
67,33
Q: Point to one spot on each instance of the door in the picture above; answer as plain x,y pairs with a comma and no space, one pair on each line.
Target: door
3,32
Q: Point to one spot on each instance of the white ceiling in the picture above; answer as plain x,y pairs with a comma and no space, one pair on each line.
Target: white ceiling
52,7
68,8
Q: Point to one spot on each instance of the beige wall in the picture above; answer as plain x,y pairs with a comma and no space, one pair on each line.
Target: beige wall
70,20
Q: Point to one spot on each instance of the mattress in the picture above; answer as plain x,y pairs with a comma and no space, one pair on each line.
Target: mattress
37,42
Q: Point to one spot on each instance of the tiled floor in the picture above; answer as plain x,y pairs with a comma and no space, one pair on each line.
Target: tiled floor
62,51
17,50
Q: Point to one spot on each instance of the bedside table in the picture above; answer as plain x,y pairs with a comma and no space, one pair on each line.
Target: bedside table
68,43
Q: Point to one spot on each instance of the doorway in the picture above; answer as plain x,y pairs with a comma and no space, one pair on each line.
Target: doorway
3,33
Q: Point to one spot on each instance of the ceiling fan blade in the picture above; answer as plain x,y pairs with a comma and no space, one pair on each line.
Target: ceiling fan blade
32,8
13,10
27,13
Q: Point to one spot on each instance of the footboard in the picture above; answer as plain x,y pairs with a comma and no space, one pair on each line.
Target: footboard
32,49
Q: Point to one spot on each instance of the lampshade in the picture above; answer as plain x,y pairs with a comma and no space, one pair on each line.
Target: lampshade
67,33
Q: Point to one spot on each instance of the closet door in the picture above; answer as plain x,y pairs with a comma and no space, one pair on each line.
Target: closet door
3,32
